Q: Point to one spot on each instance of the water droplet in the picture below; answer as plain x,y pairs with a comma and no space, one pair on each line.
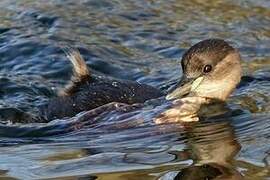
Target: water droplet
115,84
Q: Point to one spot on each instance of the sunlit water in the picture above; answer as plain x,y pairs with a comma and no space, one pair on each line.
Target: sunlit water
137,40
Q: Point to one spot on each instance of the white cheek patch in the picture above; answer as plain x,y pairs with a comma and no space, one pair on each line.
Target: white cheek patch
196,83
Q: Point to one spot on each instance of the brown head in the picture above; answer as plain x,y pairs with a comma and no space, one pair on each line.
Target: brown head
211,69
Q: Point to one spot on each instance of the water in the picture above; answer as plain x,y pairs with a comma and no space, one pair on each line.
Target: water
137,40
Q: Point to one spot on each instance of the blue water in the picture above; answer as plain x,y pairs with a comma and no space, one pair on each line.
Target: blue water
141,41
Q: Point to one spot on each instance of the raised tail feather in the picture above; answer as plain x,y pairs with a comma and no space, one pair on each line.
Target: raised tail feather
81,72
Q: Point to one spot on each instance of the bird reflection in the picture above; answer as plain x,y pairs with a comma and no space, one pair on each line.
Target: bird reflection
212,146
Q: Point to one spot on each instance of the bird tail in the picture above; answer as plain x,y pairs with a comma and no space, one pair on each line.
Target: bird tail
81,72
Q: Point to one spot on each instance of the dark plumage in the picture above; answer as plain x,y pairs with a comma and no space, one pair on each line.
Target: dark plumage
211,69
96,92
87,92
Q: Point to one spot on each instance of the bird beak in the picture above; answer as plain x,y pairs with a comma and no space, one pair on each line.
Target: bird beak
184,87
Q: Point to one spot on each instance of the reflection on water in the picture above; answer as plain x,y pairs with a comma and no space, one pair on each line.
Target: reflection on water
212,154
142,41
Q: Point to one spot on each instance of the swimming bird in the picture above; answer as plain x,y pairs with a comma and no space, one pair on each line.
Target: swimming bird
211,71
87,91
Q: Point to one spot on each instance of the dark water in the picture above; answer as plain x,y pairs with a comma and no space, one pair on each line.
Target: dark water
138,40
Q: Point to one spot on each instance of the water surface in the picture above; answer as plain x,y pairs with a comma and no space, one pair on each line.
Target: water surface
136,40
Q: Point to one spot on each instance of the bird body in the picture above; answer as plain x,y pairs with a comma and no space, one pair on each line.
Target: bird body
211,71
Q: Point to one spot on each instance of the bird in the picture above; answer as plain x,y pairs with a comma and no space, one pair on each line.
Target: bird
211,71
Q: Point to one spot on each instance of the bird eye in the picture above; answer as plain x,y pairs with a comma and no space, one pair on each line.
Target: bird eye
207,68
